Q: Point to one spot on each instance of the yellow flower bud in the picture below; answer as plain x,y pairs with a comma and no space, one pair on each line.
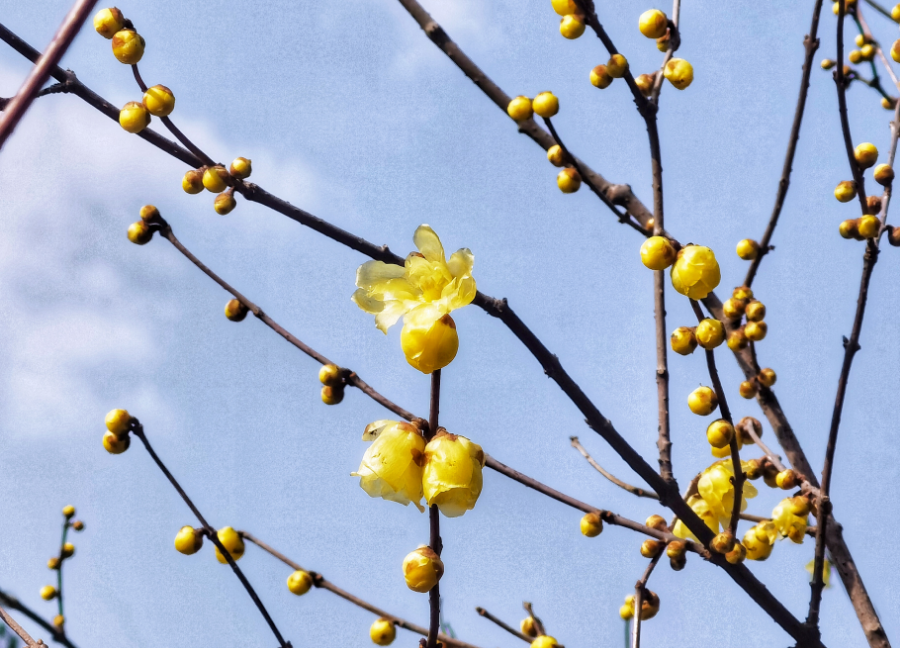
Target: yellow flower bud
568,180
59,621
753,468
48,592
650,606
429,346
528,626
710,333
748,249
188,541
556,156
235,311
241,168
571,26
703,401
719,433
800,505
895,51
149,214
564,7
759,541
848,229
868,226
866,155
139,233
737,340
644,82
742,292
422,569
855,56
68,511
756,331
733,309
651,548
755,311
683,341
159,100
382,632
617,66
545,104
676,549
519,108
134,117
766,377
215,179
108,21
626,611
78,525
233,543
786,479
53,563
653,23
128,46
845,191
722,543
451,478
888,104
657,253
224,203
114,444
736,555
332,395
392,466
544,641
860,40
300,582
827,64
192,182
591,525
867,51
680,73
657,522
884,174
748,389
68,550
330,375
695,272
895,13
600,77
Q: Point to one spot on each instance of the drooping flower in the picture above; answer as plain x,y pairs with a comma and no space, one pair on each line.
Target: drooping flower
717,490
759,540
452,475
424,291
392,466
788,523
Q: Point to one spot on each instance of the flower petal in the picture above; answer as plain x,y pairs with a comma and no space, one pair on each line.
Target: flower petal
369,304
461,262
428,243
372,273
393,310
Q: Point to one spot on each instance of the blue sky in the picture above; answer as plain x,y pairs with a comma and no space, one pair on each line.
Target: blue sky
350,112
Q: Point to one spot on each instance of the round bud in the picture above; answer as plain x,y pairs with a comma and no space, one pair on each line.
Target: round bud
770,472
737,340
591,525
733,308
617,66
564,7
68,550
683,341
845,191
134,117
888,104
866,155
786,479
678,564
68,511
680,73
192,182
703,401
332,395
756,331
748,249
651,548
422,569
894,236
753,469
800,505
895,13
653,23
676,549
600,77
895,51
108,21
299,582
650,607
855,56
149,213
827,64
556,156
53,563
330,374
382,632
232,542
545,104
128,46
115,444
48,592
848,229
188,540
235,311
719,433
868,226
626,611
742,292
140,233
748,389
241,168
528,626
78,525
766,377
657,522
519,108
695,272
657,253
867,51
755,311
644,82
736,555
748,422
722,543
544,641
883,174
224,203
571,26
215,179
568,180
159,100
860,40
710,333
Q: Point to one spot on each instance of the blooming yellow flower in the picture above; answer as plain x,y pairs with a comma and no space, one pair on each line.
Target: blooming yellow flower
392,466
759,541
695,272
452,475
716,489
424,291
703,511
788,523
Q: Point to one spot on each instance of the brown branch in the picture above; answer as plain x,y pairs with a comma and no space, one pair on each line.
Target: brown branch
434,517
47,61
538,624
490,617
639,588
13,603
864,28
877,7
771,456
19,630
634,490
842,109
321,583
810,44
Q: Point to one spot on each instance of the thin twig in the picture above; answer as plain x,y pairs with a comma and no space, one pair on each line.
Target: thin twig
39,74
13,603
877,7
19,630
490,617
538,624
634,490
864,26
434,516
639,588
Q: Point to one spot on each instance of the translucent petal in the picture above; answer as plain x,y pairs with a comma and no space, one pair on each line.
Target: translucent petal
392,311
371,273
369,304
461,262
428,243
452,477
390,469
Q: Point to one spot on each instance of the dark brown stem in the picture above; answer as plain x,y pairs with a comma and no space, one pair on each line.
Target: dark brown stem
321,583
538,624
842,109
13,603
490,617
434,517
639,588
62,561
43,68
138,431
138,78
634,490
810,44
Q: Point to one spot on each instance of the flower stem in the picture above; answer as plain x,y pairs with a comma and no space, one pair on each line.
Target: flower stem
434,516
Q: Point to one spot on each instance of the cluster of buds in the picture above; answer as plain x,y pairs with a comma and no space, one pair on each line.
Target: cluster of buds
867,226
741,305
66,550
158,101
141,232
189,541
695,272
218,180
332,379
118,425
709,334
649,606
866,52
572,23
849,6
127,44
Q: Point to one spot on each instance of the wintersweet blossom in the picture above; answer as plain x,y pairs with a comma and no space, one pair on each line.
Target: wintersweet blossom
452,474
392,466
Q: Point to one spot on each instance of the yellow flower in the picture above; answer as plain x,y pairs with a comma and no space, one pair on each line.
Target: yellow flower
424,291
591,525
759,541
422,569
233,543
703,511
159,100
680,73
544,641
134,117
108,21
391,467
653,23
695,272
128,46
382,632
48,592
717,491
788,523
826,567
452,475
188,541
